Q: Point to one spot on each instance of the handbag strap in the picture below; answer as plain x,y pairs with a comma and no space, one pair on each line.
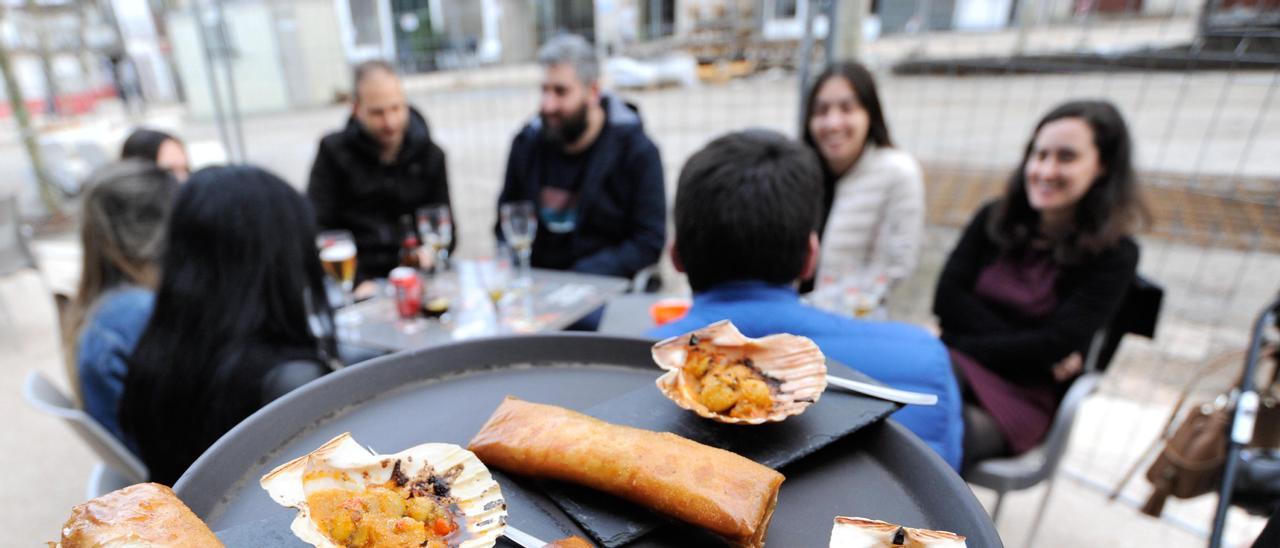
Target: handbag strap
1166,431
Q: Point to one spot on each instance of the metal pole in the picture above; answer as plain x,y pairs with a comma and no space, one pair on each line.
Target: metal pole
833,30
227,53
845,29
214,92
806,56
19,106
1242,421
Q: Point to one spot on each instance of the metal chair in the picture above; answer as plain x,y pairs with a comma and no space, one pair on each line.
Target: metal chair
1138,315
15,254
119,466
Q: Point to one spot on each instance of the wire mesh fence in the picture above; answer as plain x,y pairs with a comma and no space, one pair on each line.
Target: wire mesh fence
1198,91
963,84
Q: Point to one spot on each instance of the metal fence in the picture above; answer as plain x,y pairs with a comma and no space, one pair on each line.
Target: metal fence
1197,88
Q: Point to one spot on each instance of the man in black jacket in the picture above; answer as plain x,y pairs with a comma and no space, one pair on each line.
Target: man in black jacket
594,176
381,167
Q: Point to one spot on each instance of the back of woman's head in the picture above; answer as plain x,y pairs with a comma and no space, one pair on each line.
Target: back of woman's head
1109,211
123,214
240,280
144,144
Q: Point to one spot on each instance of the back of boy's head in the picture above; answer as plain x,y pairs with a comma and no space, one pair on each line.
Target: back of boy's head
745,206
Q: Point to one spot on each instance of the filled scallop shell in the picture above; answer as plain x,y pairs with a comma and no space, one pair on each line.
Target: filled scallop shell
794,365
871,533
342,462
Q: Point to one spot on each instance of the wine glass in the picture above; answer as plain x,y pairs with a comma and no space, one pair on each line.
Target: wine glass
519,226
338,257
435,225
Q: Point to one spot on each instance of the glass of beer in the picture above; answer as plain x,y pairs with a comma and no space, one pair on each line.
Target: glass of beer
519,226
338,257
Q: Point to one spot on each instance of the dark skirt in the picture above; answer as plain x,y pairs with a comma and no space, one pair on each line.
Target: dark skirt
1022,412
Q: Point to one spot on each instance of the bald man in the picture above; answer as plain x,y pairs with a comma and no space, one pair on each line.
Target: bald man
382,166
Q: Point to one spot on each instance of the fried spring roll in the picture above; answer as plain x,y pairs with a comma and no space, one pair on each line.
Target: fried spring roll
721,491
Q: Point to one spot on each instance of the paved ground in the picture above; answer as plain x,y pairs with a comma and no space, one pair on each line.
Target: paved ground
1222,124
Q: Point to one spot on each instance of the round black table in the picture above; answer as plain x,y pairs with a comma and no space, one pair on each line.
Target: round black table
445,393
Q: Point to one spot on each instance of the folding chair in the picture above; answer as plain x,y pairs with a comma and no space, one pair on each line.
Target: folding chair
119,466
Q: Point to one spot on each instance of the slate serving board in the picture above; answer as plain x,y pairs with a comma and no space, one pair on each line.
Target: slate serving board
613,522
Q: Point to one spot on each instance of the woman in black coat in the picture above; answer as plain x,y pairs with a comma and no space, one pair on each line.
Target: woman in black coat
1036,273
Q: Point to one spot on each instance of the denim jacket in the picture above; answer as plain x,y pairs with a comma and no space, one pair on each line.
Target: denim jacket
110,332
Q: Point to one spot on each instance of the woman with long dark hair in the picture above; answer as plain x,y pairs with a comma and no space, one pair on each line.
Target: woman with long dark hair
159,148
232,326
873,199
122,228
1037,272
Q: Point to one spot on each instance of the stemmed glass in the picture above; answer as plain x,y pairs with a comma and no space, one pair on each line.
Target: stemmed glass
435,225
338,257
519,226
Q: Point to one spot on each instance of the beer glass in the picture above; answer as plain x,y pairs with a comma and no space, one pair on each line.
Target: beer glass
519,226
435,225
338,257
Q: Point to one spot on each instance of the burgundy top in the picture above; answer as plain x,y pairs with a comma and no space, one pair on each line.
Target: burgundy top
1023,287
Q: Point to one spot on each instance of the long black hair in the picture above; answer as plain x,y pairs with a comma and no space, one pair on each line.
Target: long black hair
864,88
240,286
1111,209
144,144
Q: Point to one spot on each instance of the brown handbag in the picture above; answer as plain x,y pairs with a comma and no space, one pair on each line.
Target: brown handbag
1193,457
1194,454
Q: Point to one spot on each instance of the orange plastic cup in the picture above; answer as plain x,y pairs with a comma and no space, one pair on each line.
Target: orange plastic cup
669,310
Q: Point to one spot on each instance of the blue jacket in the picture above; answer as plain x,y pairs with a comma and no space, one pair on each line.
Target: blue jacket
897,354
622,205
106,341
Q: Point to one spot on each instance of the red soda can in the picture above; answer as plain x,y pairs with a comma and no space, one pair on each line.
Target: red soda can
408,291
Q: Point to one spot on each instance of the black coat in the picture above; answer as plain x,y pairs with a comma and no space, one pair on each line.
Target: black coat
352,189
1088,294
622,208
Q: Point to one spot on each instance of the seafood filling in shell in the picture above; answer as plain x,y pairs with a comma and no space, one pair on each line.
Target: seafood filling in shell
434,495
720,374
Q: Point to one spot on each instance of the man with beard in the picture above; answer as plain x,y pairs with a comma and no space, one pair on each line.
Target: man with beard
378,169
593,175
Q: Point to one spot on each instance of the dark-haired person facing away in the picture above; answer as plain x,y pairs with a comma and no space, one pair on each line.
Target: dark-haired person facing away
592,173
873,193
745,221
231,328
382,166
123,220
1037,272
159,148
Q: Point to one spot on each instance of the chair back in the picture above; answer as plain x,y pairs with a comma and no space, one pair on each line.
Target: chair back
14,253
47,398
1138,314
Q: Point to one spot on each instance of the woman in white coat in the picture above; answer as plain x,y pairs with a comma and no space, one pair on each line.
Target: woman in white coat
874,210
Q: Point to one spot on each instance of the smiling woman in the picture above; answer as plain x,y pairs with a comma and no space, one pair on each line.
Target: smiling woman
873,215
1037,273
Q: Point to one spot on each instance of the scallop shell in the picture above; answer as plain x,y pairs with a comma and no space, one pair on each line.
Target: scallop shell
478,495
871,533
794,361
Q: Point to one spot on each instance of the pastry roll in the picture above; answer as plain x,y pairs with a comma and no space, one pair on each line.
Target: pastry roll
721,491
146,514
